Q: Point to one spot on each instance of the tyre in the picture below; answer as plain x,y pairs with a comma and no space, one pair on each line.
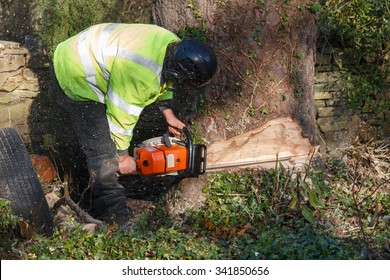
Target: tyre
20,185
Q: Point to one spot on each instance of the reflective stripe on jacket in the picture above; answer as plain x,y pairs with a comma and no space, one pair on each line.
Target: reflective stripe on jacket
119,65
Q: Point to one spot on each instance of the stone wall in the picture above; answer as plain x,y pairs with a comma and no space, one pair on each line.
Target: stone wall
338,123
19,86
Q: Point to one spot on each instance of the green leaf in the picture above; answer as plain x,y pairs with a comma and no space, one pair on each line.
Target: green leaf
293,201
316,7
307,213
320,202
312,198
172,231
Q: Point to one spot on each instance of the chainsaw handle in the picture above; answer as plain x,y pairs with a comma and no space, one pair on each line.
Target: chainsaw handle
166,140
187,134
196,157
204,159
190,148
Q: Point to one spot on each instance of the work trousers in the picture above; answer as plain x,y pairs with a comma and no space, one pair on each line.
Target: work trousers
90,124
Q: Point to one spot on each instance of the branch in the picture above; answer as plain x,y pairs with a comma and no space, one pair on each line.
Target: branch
84,216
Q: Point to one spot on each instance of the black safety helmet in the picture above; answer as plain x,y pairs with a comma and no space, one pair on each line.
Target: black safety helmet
192,62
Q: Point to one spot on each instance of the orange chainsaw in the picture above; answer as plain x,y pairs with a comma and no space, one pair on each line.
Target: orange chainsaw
167,155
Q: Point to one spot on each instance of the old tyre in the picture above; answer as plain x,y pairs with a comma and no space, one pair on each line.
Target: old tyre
20,185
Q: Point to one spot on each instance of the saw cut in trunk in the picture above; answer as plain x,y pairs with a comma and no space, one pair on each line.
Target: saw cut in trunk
278,141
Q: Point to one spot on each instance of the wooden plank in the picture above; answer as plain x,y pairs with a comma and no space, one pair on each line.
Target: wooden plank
280,139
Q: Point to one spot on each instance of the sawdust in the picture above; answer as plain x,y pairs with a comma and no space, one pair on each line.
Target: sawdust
140,207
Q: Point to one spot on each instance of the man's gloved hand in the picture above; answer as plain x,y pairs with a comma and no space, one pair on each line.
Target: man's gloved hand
175,126
127,164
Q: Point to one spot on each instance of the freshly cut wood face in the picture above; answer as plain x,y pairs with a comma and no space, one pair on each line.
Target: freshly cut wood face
278,140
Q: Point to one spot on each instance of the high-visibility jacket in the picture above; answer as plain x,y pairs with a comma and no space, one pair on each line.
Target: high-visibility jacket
119,65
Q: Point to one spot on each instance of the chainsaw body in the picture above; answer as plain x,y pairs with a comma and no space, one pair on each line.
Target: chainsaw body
171,156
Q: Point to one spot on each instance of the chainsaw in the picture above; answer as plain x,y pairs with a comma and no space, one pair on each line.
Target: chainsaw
167,155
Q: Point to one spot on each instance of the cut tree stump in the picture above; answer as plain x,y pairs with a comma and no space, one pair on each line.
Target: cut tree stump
279,140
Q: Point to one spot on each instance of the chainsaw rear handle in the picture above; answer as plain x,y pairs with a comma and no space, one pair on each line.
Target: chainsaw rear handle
196,157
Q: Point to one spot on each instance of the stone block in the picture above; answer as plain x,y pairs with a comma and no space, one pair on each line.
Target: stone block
17,51
10,63
12,83
328,124
326,77
30,85
340,102
329,102
19,112
5,120
3,79
325,112
324,50
29,75
6,75
23,94
8,45
339,139
319,104
319,87
12,48
333,87
6,98
340,95
322,95
323,59
323,68
17,96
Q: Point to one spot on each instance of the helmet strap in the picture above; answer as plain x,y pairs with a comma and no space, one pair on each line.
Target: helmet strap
172,75
169,73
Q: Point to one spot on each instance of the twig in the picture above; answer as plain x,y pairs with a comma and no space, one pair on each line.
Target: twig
84,216
356,206
374,191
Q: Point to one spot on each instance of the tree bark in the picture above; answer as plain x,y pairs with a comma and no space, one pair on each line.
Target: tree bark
266,55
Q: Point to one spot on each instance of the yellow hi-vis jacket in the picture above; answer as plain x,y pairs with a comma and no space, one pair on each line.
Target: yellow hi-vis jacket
119,65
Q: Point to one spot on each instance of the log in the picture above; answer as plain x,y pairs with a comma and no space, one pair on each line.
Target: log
279,140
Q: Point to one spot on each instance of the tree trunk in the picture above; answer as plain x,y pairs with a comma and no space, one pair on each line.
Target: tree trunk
265,52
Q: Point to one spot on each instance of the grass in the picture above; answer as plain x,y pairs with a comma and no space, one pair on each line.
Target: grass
332,213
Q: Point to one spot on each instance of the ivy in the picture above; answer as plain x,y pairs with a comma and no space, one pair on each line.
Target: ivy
362,25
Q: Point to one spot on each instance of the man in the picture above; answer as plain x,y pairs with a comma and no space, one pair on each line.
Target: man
107,74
